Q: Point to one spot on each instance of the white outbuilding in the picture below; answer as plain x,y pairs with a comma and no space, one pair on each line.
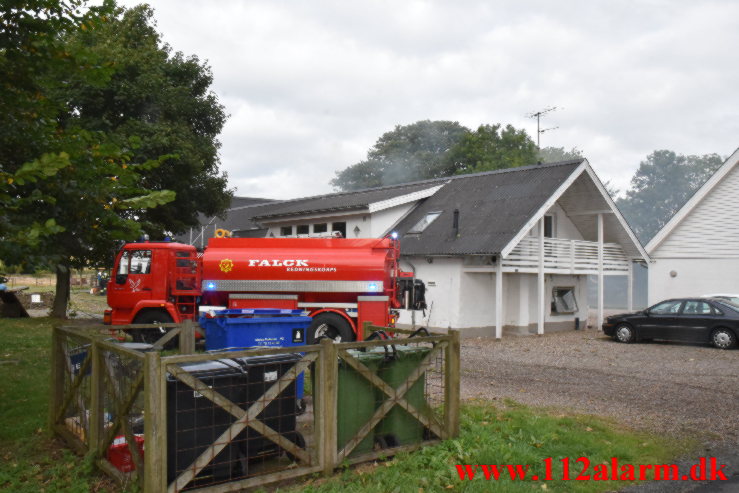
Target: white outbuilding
697,251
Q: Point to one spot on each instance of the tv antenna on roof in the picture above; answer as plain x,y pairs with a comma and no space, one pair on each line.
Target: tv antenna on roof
540,130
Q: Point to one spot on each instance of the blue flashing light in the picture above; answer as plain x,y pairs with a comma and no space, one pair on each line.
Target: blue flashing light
394,235
372,286
167,239
211,285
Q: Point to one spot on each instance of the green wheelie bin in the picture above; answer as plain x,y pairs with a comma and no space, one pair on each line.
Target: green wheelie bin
357,400
398,427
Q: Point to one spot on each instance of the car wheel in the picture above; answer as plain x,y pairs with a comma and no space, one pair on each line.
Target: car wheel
624,333
329,325
723,339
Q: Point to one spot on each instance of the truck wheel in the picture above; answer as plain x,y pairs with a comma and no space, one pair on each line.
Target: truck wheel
150,336
331,325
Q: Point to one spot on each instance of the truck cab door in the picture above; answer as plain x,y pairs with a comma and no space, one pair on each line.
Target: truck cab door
133,280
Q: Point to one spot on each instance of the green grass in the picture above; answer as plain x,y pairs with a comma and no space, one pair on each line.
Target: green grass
31,460
506,434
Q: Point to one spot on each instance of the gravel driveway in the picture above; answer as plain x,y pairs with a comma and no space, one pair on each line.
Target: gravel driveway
679,389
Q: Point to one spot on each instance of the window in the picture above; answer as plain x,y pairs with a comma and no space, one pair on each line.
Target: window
286,231
563,300
697,308
548,226
303,229
666,308
424,223
340,227
320,228
123,266
140,262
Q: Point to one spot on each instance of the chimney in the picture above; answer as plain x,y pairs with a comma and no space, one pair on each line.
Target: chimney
455,223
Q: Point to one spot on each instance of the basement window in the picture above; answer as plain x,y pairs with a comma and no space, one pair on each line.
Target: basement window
303,229
421,225
563,300
286,231
320,228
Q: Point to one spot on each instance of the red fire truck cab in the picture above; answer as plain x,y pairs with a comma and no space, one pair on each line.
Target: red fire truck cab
341,283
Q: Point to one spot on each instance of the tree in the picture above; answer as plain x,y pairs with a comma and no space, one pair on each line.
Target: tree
555,154
97,193
163,100
660,187
490,148
407,153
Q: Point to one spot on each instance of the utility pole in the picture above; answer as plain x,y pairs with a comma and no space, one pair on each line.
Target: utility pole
540,130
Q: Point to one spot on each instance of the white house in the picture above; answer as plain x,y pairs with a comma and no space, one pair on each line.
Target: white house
508,249
697,251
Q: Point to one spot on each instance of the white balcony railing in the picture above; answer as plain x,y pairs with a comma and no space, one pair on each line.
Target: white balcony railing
566,256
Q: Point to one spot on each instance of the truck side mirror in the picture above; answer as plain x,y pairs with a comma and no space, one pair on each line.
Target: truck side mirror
121,278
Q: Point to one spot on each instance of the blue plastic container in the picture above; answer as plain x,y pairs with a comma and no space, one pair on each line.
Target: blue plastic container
236,329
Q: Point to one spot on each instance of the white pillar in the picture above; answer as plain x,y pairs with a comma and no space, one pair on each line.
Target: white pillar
540,284
630,287
599,320
499,298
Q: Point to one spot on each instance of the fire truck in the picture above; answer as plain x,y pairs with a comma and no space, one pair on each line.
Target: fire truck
341,283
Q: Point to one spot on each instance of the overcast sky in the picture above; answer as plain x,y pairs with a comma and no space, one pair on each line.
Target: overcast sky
311,85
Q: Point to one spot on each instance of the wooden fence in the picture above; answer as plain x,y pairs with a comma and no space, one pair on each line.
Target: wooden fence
103,394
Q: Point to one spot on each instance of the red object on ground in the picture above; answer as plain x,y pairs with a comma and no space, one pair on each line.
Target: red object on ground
120,455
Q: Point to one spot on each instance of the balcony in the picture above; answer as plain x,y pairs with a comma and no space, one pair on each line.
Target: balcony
562,256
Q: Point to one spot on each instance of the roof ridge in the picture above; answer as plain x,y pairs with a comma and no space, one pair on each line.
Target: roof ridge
429,181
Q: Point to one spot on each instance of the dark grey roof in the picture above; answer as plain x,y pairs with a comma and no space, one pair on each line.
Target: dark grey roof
358,199
244,201
493,207
231,220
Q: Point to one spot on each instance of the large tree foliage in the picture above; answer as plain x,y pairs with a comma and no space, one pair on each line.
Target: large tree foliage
163,99
661,185
555,154
83,158
407,153
491,147
433,149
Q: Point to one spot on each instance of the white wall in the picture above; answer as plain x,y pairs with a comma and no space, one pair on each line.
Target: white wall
694,277
383,220
711,229
563,226
477,300
464,300
442,278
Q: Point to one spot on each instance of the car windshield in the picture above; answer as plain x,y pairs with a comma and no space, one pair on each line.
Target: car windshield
728,303
731,299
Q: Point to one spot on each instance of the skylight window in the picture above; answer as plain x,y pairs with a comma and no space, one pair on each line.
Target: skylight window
424,222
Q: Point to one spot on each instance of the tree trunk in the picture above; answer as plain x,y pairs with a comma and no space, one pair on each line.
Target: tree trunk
61,298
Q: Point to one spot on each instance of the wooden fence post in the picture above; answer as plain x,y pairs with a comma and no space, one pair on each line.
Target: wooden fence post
451,387
57,376
326,384
97,403
155,424
187,337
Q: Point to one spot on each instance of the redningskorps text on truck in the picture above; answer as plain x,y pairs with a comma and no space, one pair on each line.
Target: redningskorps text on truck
340,283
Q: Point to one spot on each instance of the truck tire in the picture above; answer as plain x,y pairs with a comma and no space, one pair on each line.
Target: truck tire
331,325
150,336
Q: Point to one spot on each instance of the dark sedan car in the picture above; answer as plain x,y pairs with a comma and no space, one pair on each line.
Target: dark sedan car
710,320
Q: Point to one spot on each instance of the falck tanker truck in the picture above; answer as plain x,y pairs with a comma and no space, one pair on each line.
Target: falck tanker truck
340,283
